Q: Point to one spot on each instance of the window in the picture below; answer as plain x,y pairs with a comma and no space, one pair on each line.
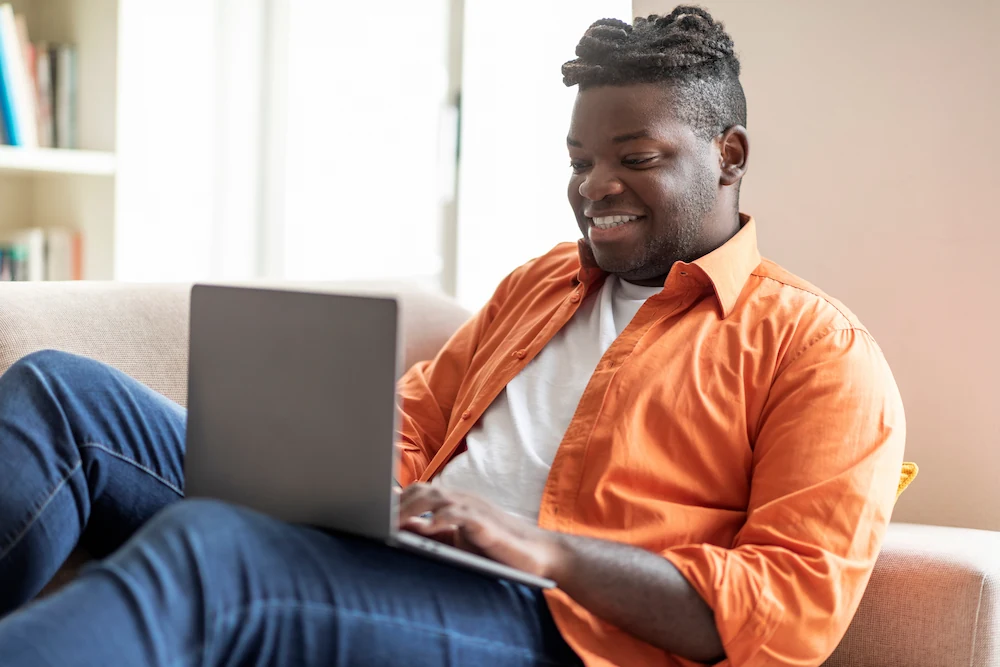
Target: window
365,140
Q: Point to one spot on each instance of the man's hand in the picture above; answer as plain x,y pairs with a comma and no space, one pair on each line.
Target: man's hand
473,524
638,591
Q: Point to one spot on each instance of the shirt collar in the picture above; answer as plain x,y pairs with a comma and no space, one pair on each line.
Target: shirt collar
726,269
729,266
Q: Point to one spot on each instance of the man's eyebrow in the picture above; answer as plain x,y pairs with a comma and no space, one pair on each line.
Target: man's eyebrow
622,138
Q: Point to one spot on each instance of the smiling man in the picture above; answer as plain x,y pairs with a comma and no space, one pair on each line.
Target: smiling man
701,449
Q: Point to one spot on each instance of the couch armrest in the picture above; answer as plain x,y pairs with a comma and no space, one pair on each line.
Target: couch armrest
140,329
933,601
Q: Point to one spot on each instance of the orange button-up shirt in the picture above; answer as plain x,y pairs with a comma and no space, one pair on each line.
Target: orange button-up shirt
744,425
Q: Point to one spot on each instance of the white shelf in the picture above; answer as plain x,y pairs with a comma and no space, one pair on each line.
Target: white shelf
56,161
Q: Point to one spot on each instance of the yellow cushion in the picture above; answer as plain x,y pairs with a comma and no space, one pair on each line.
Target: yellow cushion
906,476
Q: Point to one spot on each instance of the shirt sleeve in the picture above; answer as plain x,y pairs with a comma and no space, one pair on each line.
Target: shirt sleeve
428,390
826,464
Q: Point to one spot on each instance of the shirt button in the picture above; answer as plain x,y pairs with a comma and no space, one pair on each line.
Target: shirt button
574,298
466,414
521,354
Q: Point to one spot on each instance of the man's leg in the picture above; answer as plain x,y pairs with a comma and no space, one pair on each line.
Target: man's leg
208,583
81,445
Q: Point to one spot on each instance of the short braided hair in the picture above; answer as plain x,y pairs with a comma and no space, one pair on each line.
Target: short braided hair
686,49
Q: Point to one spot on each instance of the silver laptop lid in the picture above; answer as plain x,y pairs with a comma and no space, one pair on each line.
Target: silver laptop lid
291,405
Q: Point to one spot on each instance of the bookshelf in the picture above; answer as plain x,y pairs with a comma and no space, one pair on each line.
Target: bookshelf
43,187
166,184
18,161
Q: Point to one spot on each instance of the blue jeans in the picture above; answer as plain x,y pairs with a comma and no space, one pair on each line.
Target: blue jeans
88,454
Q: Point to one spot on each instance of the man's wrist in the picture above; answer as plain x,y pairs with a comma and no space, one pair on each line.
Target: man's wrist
559,555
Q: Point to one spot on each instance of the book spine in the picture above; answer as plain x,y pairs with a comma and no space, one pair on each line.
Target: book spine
19,263
21,96
7,113
76,262
54,94
27,109
66,97
35,246
24,254
44,73
63,254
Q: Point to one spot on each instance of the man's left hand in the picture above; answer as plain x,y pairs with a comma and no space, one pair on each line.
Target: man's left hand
473,524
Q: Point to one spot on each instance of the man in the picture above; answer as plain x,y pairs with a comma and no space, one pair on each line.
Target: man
698,447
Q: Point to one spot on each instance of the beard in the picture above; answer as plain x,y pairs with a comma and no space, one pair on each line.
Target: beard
677,241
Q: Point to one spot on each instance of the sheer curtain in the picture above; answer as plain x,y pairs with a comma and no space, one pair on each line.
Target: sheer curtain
315,140
188,136
297,139
514,168
366,141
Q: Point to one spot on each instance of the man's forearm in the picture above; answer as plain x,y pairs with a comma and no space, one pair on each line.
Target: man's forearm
639,592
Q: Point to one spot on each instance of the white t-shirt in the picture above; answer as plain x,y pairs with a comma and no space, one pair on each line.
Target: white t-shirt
510,450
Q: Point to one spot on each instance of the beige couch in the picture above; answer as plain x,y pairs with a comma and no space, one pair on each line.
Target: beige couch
933,601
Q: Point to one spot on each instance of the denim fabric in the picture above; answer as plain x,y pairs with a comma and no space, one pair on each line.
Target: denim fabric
81,446
86,452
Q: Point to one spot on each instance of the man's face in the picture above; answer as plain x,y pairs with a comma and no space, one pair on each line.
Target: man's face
634,161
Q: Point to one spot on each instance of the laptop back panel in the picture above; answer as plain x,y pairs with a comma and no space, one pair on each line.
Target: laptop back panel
291,405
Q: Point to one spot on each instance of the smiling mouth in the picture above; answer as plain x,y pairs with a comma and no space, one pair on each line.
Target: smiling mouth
612,221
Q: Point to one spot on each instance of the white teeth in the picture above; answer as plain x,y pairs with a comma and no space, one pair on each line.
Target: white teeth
608,221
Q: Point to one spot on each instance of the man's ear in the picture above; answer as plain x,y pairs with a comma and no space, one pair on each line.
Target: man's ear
734,152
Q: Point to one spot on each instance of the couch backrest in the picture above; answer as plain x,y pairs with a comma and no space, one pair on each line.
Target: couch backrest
143,329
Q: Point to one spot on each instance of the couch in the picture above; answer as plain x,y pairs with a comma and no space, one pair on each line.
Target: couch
933,599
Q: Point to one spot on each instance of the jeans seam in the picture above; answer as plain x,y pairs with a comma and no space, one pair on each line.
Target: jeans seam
122,457
38,512
229,615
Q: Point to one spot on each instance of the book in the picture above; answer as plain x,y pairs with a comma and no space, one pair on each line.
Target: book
65,88
63,254
8,125
21,130
38,87
46,96
23,251
30,102
41,253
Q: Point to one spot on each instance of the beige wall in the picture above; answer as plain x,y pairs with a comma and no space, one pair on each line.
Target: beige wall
875,161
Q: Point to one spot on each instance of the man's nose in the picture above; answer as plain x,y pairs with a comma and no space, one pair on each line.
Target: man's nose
600,183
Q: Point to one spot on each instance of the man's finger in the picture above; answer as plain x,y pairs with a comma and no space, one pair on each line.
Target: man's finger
419,499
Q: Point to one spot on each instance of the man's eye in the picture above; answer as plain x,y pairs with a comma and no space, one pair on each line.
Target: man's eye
577,166
633,161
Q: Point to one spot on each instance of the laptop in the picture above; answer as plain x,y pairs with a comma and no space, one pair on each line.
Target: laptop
292,412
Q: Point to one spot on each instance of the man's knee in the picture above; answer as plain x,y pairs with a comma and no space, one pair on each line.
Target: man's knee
41,363
194,535
180,566
190,546
46,365
209,524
